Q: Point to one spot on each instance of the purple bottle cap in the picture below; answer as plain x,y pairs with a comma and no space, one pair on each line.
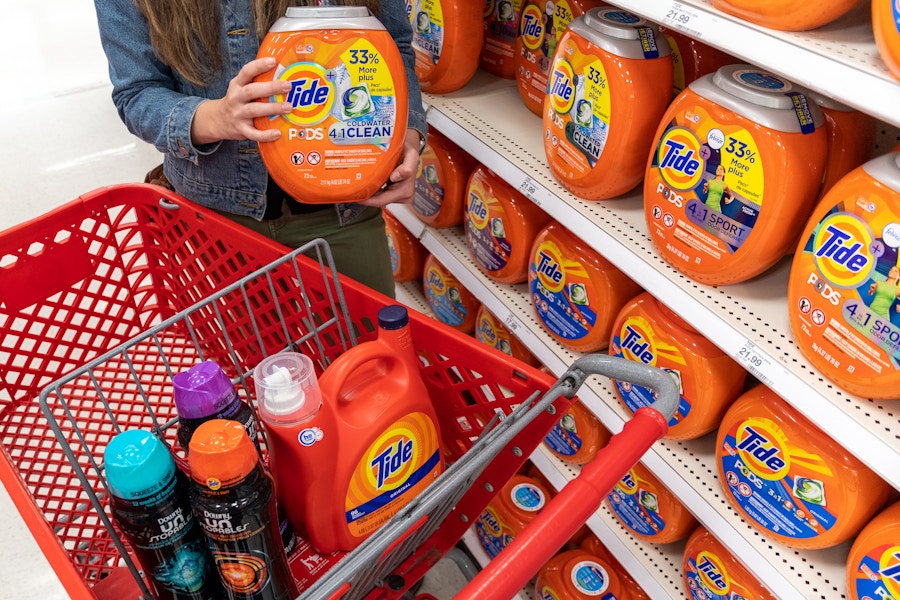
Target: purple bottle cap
202,391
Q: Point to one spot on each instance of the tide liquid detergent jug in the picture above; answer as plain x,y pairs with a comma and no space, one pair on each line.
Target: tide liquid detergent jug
541,24
736,166
872,566
451,303
648,509
577,436
407,253
592,544
501,224
851,138
786,15
610,83
444,170
447,39
577,575
789,479
648,332
348,88
491,331
692,59
843,286
711,571
886,26
576,293
501,23
352,449
506,515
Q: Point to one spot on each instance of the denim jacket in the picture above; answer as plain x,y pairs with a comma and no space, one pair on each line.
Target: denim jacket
157,105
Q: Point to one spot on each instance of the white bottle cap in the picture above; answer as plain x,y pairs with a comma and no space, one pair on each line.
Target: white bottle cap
287,390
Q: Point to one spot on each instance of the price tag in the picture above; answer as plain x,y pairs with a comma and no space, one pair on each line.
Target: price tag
511,322
683,18
529,189
757,363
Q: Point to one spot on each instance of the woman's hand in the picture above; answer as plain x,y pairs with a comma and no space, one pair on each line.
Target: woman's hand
231,117
401,186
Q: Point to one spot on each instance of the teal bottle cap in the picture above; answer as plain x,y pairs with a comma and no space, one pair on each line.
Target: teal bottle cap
138,464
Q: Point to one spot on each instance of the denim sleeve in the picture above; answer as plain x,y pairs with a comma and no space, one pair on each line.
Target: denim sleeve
145,91
392,14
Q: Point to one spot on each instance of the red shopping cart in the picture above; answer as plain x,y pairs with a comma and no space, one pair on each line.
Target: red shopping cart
103,300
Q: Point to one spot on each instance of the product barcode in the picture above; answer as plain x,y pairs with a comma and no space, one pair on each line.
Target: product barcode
755,362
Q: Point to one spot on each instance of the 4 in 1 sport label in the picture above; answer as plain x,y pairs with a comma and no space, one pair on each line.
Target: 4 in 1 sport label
398,465
710,177
779,485
560,292
429,190
485,228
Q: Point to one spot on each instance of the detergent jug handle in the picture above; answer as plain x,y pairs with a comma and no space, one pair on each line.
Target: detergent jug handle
348,372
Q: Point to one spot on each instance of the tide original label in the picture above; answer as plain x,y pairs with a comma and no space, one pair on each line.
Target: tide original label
427,20
708,177
443,296
561,292
491,332
429,187
579,106
707,577
878,573
636,340
781,486
485,228
635,501
398,465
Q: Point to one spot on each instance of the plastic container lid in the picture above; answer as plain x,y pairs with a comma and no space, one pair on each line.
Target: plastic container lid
203,390
221,454
619,32
305,18
287,389
138,464
392,317
577,574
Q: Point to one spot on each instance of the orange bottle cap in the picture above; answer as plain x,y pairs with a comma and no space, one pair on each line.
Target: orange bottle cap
221,454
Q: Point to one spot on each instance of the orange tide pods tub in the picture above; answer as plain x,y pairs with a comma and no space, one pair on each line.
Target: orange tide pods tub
610,83
519,501
578,575
578,436
851,138
451,303
501,224
886,26
789,479
447,40
592,545
845,279
709,571
407,253
501,23
576,293
347,129
444,170
491,331
873,566
786,15
736,167
692,59
649,332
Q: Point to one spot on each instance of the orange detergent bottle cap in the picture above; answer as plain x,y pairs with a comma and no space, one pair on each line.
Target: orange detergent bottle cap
516,504
221,454
578,575
786,15
610,83
646,331
885,17
445,42
346,132
844,281
790,480
444,170
648,509
874,557
491,331
501,224
501,21
736,166
575,292
450,302
578,436
407,253
692,59
709,570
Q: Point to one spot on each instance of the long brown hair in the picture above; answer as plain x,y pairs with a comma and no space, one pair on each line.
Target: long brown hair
185,33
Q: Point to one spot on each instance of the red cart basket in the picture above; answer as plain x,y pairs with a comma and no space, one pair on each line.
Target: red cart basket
103,300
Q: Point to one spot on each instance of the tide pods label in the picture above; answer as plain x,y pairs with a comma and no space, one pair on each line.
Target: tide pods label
578,108
489,331
429,189
878,573
563,439
635,501
705,187
485,228
501,19
562,292
782,487
442,293
397,466
844,288
707,578
636,340
427,20
493,532
540,28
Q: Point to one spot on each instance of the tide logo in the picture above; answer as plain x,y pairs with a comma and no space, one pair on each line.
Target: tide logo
842,250
311,94
562,90
477,210
490,522
636,342
889,570
712,573
393,462
679,160
487,332
629,483
762,450
532,29
547,265
435,281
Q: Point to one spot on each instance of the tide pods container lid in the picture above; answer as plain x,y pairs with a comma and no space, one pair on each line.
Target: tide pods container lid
138,464
307,18
621,33
762,97
221,454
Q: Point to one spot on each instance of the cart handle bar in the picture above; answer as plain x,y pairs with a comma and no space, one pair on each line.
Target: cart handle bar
517,563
